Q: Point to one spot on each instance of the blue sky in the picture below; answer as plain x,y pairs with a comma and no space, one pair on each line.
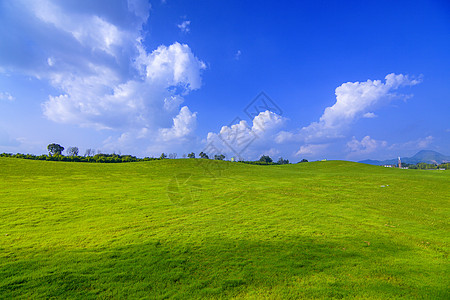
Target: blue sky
340,79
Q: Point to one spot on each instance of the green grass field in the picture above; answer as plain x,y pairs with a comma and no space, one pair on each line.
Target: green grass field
194,229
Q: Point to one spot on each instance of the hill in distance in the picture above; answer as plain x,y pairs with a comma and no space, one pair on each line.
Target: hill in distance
425,156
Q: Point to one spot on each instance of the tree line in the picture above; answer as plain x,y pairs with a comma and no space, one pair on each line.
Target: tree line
55,154
426,166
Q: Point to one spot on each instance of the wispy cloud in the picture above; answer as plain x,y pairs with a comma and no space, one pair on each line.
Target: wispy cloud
311,149
237,56
420,143
184,26
6,96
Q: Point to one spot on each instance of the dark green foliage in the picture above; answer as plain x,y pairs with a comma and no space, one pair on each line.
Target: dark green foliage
191,155
219,157
163,156
98,158
72,151
266,159
303,160
203,155
282,161
55,149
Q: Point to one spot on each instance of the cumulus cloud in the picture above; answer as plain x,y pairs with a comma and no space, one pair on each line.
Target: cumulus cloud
104,75
247,140
6,96
354,100
183,125
366,145
184,26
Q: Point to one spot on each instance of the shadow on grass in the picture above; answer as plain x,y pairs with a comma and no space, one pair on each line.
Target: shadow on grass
217,267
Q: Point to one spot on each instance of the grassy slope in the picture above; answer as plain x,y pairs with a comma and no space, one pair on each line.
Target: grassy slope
182,229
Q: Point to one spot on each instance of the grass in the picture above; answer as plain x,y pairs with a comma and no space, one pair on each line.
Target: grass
205,229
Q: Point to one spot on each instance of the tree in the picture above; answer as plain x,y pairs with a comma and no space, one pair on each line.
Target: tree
55,149
282,161
304,160
191,155
203,155
89,152
219,157
266,159
163,156
72,151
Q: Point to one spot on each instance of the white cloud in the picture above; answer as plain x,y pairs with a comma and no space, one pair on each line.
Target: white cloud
237,56
417,144
369,115
171,66
366,145
423,143
147,101
247,141
50,61
311,149
353,101
267,121
183,125
6,96
184,26
104,76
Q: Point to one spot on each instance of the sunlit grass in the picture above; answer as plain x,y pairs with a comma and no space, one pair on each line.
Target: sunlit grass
188,229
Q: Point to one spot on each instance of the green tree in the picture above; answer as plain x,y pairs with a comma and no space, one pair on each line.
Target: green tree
163,156
282,161
219,157
191,155
304,160
266,159
72,151
89,152
203,155
55,149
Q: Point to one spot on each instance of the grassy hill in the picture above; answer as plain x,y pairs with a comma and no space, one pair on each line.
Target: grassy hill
212,229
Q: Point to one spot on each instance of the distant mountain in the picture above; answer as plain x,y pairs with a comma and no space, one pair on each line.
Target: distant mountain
426,156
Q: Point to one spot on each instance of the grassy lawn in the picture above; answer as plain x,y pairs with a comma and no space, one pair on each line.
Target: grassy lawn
206,229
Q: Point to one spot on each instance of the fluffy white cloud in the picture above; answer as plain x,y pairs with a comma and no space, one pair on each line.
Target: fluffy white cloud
353,101
183,125
245,141
103,74
366,145
6,96
149,100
